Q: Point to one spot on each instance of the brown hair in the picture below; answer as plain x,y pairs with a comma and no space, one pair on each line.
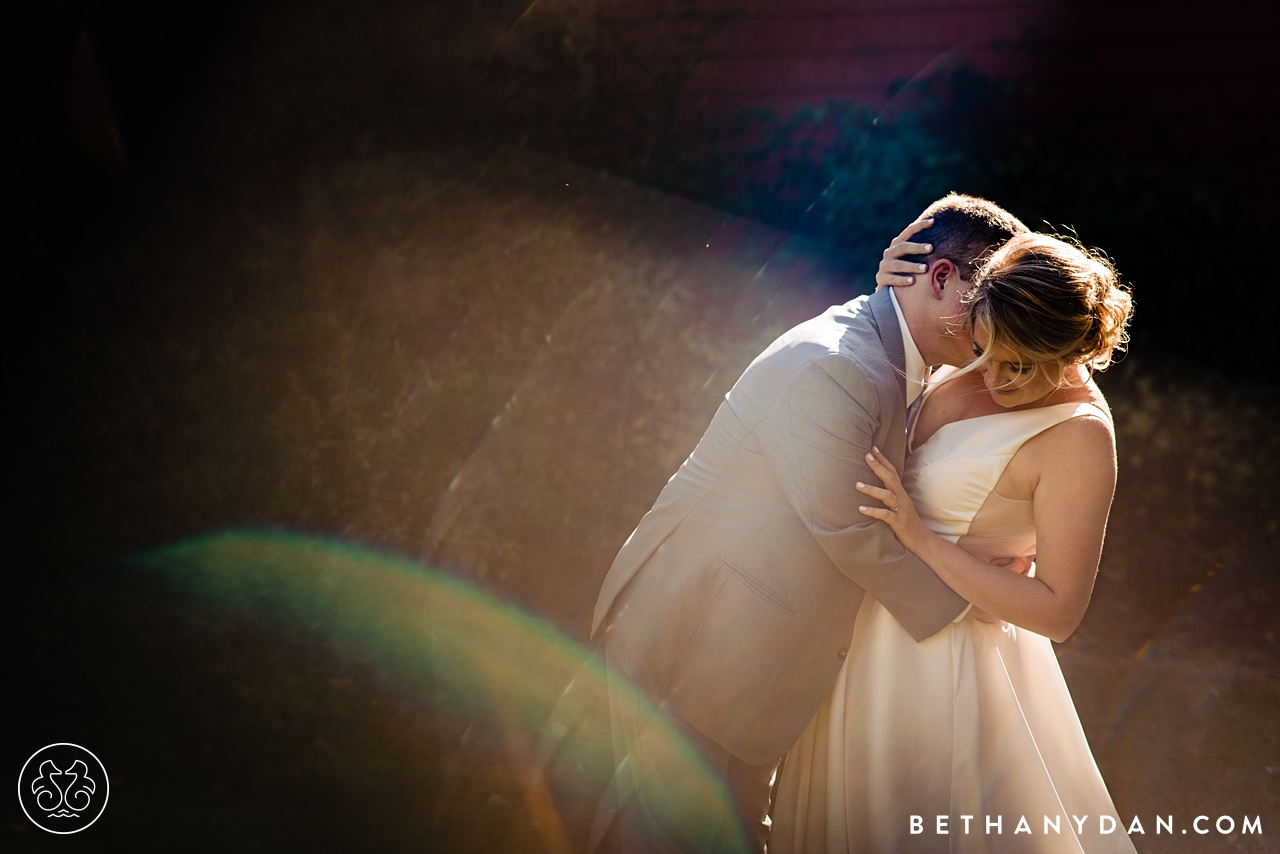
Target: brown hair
1052,302
964,229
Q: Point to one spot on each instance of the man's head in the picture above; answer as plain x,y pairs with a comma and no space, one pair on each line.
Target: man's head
964,230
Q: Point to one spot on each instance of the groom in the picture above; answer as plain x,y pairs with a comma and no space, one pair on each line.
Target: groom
732,604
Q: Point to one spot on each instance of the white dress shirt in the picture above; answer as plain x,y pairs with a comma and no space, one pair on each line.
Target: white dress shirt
917,371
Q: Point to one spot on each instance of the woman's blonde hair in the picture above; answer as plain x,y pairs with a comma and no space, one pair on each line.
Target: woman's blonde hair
1052,302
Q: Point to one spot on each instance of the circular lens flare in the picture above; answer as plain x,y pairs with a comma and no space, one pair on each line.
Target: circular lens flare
535,692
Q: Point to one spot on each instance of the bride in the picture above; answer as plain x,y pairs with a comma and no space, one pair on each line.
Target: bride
969,741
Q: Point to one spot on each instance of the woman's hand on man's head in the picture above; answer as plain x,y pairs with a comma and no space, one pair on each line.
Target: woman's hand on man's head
893,271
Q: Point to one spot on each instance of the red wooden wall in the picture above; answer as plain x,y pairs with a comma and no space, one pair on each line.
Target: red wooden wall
1185,54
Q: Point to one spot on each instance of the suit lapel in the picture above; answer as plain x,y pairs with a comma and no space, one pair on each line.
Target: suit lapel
891,337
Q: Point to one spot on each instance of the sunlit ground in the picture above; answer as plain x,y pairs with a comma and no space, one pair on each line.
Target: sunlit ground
492,362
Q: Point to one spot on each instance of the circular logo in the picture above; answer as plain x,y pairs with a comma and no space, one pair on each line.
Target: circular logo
63,788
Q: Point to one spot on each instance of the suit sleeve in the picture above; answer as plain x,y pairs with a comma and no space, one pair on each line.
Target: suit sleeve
816,442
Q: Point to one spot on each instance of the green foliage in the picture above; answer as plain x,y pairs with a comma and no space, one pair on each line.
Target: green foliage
848,174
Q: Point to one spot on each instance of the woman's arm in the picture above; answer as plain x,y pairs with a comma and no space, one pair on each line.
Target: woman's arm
1076,467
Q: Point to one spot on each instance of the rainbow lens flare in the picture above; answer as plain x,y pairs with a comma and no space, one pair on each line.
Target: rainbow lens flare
506,677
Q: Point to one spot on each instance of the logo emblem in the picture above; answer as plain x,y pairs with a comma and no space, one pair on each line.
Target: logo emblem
63,788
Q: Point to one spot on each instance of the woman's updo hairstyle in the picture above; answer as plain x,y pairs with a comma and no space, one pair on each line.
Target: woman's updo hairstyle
1051,302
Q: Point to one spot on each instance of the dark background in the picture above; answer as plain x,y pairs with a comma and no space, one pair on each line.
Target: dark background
293,266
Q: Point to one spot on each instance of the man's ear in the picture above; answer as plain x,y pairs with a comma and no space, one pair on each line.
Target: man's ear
943,275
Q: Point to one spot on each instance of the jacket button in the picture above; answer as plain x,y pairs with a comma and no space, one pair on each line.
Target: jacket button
843,653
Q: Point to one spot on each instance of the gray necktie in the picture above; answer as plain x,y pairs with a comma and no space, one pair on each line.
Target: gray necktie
912,412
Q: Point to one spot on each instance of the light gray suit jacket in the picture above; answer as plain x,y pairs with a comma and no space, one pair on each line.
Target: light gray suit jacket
733,602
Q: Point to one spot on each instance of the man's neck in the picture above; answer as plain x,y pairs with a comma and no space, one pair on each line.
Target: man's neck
932,323
922,332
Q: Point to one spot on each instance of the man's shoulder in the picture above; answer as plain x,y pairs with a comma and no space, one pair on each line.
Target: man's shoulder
842,342
848,331
843,327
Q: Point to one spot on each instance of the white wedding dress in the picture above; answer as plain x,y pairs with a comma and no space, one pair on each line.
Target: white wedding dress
975,721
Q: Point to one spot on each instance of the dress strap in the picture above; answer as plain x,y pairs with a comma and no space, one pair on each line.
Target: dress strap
1087,408
1025,423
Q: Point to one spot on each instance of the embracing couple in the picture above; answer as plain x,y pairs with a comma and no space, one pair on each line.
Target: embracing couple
842,571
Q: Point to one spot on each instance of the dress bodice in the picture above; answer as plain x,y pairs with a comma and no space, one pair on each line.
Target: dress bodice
952,478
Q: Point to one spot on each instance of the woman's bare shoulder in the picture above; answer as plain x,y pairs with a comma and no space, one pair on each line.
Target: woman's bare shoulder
1079,445
1080,448
1088,393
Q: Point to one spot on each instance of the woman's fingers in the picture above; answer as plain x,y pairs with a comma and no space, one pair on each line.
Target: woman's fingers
878,513
878,467
884,469
897,266
896,273
893,280
887,496
897,250
900,513
913,229
893,271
